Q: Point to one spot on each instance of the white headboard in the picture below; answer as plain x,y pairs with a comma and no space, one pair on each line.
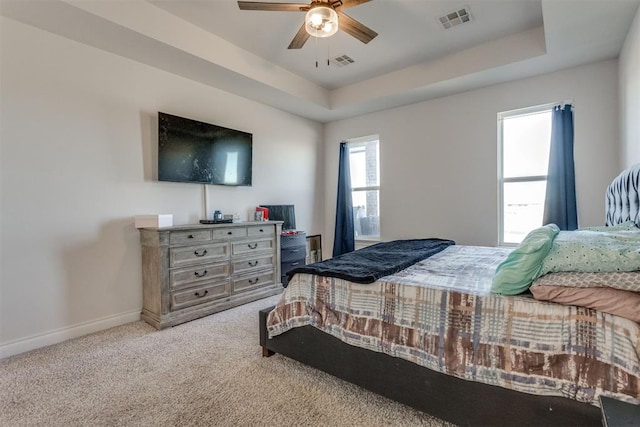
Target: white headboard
622,198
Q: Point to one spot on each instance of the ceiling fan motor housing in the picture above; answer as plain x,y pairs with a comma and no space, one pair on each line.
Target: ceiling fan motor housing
321,20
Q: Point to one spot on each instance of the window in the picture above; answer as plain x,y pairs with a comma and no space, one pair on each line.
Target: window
364,164
524,139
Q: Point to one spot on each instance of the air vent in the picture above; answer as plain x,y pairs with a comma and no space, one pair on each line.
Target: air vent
457,17
342,60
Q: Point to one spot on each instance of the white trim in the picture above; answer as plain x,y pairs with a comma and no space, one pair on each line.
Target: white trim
62,334
363,140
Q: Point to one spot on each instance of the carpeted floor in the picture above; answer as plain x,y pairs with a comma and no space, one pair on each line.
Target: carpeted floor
208,372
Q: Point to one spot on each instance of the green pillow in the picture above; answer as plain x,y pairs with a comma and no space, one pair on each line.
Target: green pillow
515,274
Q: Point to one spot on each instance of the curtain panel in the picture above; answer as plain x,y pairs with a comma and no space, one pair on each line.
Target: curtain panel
560,201
344,237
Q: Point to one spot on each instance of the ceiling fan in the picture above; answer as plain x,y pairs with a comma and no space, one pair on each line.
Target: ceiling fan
323,19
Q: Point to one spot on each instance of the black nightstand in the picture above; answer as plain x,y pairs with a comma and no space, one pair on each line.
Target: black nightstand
293,252
616,413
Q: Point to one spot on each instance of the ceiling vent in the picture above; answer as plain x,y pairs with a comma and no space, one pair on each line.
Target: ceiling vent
457,17
342,60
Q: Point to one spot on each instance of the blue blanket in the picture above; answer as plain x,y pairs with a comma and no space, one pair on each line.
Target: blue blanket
373,262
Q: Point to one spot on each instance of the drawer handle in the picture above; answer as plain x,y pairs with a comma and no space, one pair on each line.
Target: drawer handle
253,263
294,264
197,294
254,281
252,245
293,251
191,236
261,230
229,233
203,253
204,273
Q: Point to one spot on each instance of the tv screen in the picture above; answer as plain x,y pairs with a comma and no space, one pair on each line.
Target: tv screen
284,213
193,151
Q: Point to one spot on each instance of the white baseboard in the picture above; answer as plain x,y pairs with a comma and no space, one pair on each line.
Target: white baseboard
58,335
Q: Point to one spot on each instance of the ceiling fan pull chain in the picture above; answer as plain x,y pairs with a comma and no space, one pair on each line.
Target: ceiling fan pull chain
316,42
328,56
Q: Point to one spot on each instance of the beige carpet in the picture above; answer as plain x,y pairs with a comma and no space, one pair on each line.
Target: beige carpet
208,372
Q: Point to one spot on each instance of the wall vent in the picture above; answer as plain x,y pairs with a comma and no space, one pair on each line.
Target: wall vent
342,60
454,18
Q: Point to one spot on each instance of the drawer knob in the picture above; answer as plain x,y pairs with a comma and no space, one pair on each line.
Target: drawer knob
254,281
204,273
191,236
229,233
203,253
253,263
252,245
261,230
198,295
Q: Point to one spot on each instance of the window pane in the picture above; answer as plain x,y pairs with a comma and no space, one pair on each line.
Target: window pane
525,144
523,208
366,217
363,162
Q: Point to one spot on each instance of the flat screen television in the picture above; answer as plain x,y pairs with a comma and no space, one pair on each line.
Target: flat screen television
284,213
198,152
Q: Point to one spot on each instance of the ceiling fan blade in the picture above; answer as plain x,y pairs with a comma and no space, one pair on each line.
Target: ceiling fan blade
299,39
279,7
345,4
355,28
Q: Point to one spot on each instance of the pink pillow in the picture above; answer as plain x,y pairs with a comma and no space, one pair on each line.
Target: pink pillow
607,300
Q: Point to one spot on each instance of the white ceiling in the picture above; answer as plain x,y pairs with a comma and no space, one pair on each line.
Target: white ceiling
411,60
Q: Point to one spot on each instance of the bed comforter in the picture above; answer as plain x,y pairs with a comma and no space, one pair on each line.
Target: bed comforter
440,313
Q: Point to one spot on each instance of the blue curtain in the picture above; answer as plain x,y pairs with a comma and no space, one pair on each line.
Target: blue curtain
344,238
560,201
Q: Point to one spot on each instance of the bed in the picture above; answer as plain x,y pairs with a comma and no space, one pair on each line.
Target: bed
447,344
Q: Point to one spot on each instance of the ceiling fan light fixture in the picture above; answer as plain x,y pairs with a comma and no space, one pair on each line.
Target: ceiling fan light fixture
321,21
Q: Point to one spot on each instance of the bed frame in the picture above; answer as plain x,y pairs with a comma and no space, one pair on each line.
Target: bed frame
449,398
461,402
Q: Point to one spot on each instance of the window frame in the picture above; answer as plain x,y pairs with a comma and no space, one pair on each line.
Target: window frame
363,141
536,109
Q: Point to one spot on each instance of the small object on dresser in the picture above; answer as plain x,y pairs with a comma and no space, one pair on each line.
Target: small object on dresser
217,215
216,221
153,221
258,216
265,212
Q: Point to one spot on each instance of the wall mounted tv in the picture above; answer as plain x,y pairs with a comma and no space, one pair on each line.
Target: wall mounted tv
193,151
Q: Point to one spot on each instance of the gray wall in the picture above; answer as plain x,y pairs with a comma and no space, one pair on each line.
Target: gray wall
79,133
439,158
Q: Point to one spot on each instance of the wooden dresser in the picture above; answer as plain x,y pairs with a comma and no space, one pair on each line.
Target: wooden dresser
195,270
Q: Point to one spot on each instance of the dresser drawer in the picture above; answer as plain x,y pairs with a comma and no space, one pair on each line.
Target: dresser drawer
199,295
200,254
286,266
185,277
293,254
249,246
293,240
247,282
229,232
257,231
192,236
253,263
